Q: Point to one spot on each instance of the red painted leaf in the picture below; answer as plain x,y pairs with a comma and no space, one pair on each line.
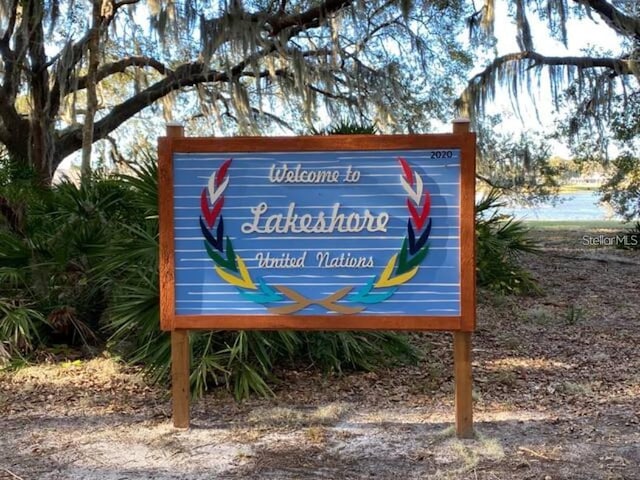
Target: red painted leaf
222,172
408,173
420,218
217,207
209,216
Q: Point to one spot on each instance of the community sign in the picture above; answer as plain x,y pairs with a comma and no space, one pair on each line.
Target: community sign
334,233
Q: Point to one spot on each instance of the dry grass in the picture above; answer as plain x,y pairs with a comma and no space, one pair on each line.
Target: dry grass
103,371
297,417
317,435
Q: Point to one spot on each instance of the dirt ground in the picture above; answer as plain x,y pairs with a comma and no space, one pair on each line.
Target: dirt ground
557,396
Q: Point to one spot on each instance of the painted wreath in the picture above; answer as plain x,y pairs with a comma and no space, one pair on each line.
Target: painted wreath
400,268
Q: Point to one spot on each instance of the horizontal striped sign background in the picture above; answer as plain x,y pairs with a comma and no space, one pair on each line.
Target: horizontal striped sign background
434,290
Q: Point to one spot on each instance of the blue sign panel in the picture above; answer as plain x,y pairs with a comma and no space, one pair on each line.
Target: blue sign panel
316,233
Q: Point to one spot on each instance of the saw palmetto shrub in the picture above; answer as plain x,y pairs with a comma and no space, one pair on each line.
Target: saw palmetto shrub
500,242
48,239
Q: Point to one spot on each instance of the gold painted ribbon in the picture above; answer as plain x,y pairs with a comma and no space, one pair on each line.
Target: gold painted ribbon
301,302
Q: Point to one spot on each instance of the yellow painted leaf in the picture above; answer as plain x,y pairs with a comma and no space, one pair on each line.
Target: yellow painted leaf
386,273
399,280
245,274
237,281
386,280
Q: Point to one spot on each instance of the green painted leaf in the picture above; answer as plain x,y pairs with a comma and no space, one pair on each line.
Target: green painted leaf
221,262
405,263
231,256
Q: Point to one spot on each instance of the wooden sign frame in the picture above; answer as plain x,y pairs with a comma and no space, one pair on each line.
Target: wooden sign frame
179,324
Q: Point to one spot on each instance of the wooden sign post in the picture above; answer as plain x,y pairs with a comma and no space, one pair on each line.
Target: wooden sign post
349,232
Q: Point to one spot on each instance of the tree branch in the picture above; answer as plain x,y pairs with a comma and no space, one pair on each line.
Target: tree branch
12,57
307,19
483,85
11,25
4,134
118,67
272,116
116,157
490,182
186,75
72,53
333,96
619,65
122,3
623,24
14,127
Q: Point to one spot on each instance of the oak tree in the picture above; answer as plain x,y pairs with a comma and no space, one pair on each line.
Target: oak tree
79,69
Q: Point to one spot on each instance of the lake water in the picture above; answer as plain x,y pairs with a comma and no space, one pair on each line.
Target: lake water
570,206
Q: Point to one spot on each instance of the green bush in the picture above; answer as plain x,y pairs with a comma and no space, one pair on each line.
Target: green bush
20,328
49,239
347,127
500,240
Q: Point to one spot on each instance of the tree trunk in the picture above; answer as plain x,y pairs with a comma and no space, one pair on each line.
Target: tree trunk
41,152
46,169
92,99
41,145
